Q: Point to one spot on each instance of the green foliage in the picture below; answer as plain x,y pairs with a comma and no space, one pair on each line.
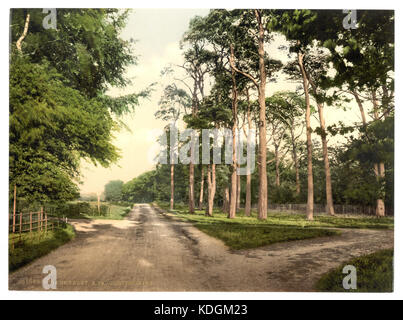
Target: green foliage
374,274
239,237
113,190
85,48
283,219
59,111
38,244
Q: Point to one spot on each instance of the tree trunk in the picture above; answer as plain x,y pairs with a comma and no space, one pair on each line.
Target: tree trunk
277,161
309,204
262,205
209,189
191,164
24,34
211,181
329,195
191,188
296,164
238,192
225,208
172,186
379,168
201,189
234,175
248,199
380,204
359,102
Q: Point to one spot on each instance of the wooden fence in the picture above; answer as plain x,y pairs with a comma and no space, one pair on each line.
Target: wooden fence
29,222
321,208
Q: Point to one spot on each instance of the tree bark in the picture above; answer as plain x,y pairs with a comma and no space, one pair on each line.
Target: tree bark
359,102
262,204
211,181
296,162
191,164
238,192
24,34
248,200
379,168
201,189
234,178
225,208
310,200
191,188
172,186
277,161
329,195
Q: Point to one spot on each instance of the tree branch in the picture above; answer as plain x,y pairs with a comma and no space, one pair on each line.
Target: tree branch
24,34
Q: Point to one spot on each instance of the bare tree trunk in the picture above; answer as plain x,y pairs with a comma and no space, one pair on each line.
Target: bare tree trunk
225,208
380,204
296,162
201,189
172,186
262,205
191,164
209,189
277,161
234,178
309,205
248,200
238,192
24,34
329,195
248,203
211,181
191,188
379,168
359,102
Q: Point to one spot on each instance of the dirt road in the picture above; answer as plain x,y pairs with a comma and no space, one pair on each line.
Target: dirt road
149,252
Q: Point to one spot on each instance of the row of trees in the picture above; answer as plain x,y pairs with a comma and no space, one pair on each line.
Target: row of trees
227,50
60,113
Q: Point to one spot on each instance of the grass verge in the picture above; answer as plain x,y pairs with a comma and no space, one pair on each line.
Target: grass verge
374,274
116,213
250,236
286,219
247,233
32,246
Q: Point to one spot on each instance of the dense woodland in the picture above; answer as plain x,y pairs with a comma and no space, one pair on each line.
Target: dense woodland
60,112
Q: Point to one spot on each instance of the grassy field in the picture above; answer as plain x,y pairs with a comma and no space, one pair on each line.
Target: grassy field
74,210
374,274
37,245
245,232
286,219
116,213
249,232
251,236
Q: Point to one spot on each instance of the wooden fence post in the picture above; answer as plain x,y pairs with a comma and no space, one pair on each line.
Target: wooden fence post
20,224
15,205
38,222
41,217
46,222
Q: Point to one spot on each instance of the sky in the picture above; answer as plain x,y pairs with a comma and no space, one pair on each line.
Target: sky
157,33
